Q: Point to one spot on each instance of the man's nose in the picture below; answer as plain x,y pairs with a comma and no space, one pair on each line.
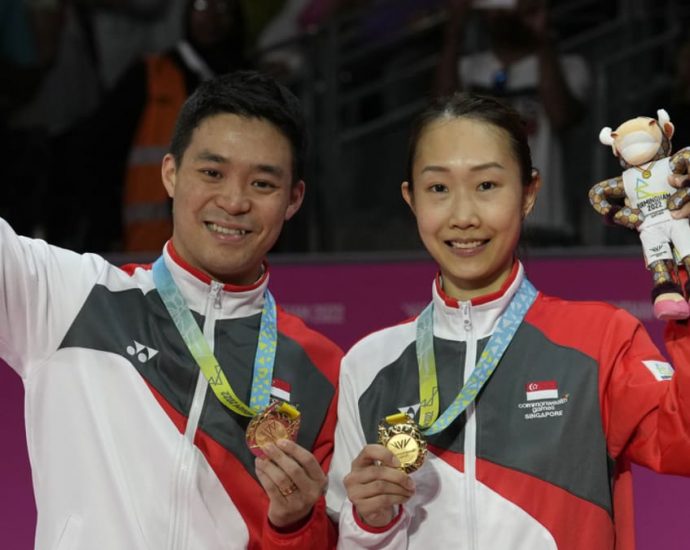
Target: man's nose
233,198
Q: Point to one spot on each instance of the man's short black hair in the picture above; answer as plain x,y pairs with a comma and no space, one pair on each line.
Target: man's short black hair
247,94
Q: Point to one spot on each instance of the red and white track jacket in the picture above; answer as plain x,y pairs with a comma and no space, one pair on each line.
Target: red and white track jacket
541,460
129,447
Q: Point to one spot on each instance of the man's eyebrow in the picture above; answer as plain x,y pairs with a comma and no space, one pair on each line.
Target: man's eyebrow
213,157
270,169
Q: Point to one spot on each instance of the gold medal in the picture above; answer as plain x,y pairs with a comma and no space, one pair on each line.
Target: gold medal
646,173
278,421
400,435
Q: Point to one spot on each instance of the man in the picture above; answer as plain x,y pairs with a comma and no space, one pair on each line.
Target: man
129,445
140,113
523,66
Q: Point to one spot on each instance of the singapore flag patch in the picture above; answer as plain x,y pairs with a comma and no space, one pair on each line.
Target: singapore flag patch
541,390
281,390
660,369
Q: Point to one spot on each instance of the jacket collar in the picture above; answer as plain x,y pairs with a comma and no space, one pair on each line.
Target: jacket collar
202,292
476,318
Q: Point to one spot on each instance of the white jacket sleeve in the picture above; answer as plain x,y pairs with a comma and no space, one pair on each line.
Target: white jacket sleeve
42,288
349,441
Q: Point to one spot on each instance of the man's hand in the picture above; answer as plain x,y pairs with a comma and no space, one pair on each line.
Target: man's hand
375,485
292,479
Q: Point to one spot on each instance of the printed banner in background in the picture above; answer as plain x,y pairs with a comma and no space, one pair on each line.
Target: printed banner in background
346,301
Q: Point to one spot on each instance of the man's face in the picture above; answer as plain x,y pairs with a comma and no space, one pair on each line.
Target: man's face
232,191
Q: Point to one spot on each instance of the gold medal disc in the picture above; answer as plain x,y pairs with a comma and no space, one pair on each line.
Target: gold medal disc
278,421
401,436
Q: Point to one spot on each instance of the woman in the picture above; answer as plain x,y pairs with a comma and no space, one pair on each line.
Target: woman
536,453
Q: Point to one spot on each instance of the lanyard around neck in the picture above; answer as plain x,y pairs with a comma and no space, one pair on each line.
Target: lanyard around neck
428,381
200,350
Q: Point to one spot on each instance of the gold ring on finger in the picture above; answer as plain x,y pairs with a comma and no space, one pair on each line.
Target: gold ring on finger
289,490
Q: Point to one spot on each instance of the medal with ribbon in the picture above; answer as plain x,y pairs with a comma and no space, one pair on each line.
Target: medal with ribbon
508,324
429,419
260,408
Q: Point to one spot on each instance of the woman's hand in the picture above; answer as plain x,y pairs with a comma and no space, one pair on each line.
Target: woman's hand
376,485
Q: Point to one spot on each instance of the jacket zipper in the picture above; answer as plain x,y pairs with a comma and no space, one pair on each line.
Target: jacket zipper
470,444
187,457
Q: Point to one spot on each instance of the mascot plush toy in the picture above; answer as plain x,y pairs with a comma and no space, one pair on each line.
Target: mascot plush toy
642,198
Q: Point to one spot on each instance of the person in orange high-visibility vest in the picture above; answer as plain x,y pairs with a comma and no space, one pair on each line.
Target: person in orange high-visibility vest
146,210
211,47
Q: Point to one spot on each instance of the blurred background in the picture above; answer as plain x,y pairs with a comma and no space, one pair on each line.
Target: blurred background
82,83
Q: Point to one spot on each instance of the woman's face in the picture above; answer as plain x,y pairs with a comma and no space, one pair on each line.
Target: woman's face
469,201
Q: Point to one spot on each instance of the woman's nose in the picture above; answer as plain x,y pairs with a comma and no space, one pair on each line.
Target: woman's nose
464,213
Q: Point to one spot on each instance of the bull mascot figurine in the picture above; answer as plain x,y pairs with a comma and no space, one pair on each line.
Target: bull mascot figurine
642,198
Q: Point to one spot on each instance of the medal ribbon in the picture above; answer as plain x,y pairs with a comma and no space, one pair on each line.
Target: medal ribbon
499,341
200,350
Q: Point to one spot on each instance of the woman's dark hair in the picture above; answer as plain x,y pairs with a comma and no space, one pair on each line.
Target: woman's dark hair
477,107
248,94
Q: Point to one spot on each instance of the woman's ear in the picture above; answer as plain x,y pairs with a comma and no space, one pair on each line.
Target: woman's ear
529,196
407,195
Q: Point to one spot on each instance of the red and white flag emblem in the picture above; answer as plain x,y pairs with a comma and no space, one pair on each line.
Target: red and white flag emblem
281,390
541,390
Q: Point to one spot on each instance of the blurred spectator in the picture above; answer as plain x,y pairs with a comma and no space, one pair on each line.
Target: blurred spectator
678,104
280,55
123,30
257,14
522,65
21,70
379,40
94,41
125,141
70,70
75,53
19,63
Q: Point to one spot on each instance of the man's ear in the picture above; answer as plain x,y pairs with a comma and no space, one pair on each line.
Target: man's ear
407,195
296,198
169,174
529,197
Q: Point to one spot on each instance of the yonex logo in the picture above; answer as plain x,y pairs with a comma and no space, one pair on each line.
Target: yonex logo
141,352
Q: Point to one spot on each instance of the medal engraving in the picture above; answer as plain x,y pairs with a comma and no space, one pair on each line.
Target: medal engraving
278,421
270,431
400,435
